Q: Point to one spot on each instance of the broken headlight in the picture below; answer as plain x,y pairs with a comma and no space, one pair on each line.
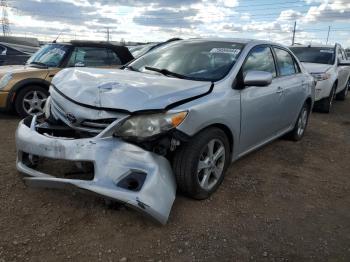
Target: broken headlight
143,126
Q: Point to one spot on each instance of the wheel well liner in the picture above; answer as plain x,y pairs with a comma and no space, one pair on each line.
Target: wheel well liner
227,132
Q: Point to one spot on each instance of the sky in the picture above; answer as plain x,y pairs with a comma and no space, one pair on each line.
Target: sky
159,20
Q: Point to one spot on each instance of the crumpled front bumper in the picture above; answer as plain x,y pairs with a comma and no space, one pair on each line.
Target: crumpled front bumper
113,160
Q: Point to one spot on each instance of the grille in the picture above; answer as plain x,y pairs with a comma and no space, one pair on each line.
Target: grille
86,125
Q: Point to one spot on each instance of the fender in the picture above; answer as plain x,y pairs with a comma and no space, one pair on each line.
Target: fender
19,85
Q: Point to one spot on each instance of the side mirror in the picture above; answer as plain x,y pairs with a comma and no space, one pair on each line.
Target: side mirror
257,78
344,63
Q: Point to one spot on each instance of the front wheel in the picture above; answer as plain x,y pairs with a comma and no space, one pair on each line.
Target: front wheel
31,101
342,95
325,105
300,126
200,164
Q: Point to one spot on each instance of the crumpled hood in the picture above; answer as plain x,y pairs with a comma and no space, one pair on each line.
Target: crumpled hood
124,89
316,68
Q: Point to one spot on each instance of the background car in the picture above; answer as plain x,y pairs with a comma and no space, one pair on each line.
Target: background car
140,50
13,54
330,68
25,88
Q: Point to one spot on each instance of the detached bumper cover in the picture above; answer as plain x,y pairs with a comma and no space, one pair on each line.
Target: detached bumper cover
113,160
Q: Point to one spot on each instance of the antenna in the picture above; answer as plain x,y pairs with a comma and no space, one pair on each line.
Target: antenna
54,41
4,20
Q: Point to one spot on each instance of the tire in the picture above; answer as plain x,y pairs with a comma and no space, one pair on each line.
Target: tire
301,124
35,96
196,152
342,95
325,105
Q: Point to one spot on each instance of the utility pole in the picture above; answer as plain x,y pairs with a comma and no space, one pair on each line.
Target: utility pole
108,34
329,29
4,19
295,26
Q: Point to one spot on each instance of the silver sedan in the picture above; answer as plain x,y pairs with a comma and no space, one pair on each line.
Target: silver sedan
174,118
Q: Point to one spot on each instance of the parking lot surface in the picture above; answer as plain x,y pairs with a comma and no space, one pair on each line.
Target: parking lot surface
285,202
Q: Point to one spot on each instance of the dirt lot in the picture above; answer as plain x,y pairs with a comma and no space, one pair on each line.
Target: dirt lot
286,202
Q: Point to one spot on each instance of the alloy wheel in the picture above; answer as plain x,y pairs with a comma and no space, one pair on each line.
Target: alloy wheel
34,102
211,164
302,122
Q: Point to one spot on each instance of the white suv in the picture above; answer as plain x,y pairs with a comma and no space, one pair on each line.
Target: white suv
330,68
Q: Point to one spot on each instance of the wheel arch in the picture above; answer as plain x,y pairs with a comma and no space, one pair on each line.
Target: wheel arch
22,84
226,130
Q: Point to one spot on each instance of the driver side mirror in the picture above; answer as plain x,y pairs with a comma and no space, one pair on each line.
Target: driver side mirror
257,78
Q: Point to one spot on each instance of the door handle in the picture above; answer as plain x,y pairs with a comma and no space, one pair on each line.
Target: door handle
52,75
279,90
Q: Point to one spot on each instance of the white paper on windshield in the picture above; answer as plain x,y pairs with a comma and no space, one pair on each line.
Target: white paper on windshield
327,51
57,51
221,50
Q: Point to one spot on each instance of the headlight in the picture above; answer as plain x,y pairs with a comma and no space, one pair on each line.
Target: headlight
321,76
5,80
47,108
143,126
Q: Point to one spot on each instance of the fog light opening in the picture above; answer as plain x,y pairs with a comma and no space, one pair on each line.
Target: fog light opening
132,184
133,181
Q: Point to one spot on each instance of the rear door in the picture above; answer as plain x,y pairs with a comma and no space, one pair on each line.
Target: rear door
260,106
292,84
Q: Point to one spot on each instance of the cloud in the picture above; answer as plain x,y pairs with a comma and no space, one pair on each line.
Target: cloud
164,17
287,15
329,11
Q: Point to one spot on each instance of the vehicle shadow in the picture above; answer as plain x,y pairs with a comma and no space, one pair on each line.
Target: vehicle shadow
9,115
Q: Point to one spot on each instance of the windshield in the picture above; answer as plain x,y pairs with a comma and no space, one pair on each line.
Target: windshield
49,55
319,55
196,60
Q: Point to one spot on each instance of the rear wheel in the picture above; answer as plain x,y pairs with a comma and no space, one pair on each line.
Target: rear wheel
325,105
200,164
31,101
300,126
342,95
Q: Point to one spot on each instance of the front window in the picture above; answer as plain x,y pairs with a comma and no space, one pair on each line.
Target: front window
319,55
50,55
196,60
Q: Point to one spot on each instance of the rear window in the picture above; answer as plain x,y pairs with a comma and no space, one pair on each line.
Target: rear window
318,55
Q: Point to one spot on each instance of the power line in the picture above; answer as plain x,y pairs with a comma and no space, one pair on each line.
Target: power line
4,20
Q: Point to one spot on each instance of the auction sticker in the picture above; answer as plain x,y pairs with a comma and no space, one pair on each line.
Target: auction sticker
223,50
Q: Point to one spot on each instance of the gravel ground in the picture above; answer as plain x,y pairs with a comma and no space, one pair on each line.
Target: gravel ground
285,202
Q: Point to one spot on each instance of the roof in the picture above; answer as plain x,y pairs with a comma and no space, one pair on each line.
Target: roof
315,45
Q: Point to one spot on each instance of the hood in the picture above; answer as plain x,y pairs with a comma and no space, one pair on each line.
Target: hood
124,89
19,69
316,68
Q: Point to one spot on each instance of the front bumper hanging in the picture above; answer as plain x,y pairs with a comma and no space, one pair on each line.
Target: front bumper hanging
153,186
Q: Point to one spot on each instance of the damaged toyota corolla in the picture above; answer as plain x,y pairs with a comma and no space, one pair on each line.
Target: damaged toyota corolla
173,118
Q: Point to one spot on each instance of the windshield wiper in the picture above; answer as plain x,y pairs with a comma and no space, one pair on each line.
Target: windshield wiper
131,68
166,72
38,63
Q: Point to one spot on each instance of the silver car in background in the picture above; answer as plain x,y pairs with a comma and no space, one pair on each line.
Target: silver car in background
174,118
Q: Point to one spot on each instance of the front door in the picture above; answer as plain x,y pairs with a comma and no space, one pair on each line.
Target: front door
260,106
